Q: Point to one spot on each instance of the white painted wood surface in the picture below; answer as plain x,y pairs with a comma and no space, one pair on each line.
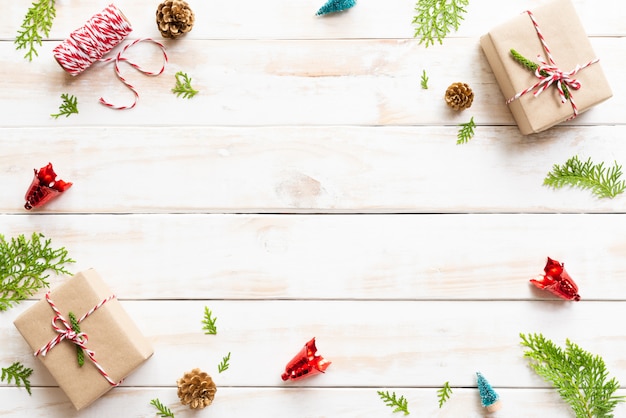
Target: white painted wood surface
312,188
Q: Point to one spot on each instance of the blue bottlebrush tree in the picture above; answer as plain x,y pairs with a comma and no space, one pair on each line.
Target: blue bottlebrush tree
488,397
333,6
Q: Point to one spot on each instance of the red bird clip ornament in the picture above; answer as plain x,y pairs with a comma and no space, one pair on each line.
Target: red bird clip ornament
557,281
44,187
305,363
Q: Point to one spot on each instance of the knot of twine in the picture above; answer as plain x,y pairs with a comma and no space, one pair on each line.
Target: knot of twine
89,43
549,73
65,332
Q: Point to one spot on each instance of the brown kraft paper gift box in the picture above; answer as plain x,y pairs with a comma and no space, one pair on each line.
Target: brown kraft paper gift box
569,45
118,344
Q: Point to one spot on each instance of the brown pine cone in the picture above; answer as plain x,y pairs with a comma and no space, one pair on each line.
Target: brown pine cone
459,96
174,18
196,389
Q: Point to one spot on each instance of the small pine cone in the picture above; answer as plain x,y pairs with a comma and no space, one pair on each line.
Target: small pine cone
174,18
196,389
459,96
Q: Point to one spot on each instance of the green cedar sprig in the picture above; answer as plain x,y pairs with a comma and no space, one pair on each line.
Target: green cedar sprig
68,107
183,86
435,19
164,411
532,66
587,175
19,374
23,267
223,366
208,322
424,80
80,356
579,377
443,394
399,404
466,132
36,25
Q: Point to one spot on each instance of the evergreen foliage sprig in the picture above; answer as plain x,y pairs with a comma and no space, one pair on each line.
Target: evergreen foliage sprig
68,107
579,377
208,322
435,19
17,373
23,267
164,411
80,356
587,175
399,404
424,80
223,366
37,24
443,394
183,86
466,131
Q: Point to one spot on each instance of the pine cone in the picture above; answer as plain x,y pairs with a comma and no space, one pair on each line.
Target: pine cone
174,18
459,96
196,389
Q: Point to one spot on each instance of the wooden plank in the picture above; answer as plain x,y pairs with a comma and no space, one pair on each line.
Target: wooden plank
265,83
298,402
276,19
410,257
312,169
370,343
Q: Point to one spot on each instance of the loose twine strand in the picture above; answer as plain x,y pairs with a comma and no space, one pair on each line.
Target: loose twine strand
89,43
65,332
549,73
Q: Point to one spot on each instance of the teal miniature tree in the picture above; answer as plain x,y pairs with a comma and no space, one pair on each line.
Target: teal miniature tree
488,397
333,6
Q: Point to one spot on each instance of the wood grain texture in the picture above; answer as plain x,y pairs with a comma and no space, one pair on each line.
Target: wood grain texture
370,343
312,169
277,19
281,82
388,257
313,189
306,403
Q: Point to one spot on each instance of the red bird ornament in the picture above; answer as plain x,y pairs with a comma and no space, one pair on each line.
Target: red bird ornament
305,363
44,187
557,281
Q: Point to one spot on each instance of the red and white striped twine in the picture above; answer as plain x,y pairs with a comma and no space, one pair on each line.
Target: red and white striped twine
118,58
65,332
89,43
549,73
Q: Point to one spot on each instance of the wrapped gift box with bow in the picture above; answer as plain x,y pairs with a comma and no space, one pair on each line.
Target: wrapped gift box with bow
556,75
84,338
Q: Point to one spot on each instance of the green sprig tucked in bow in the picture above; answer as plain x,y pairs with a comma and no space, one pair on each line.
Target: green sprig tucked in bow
532,66
80,356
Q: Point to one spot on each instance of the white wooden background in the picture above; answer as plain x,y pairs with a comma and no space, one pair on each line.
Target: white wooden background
312,188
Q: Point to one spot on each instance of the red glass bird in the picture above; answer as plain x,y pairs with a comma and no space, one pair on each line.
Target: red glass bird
557,281
44,187
305,363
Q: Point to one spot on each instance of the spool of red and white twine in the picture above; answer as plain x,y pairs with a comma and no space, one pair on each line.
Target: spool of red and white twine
91,42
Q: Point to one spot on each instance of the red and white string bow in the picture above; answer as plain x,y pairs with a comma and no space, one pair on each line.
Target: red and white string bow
65,332
549,73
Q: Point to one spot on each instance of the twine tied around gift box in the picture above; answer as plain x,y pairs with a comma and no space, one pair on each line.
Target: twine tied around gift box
89,43
66,332
549,73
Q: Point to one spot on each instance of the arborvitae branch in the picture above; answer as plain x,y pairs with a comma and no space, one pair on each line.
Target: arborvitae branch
17,373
